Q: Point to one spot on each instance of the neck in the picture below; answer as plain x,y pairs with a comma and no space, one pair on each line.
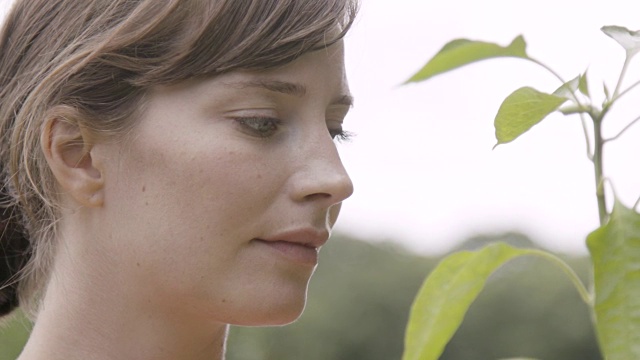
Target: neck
82,320
57,339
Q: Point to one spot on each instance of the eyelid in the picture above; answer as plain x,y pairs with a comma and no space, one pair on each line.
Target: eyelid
253,112
335,118
258,126
338,111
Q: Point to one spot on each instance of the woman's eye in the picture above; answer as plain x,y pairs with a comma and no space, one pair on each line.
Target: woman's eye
259,126
341,135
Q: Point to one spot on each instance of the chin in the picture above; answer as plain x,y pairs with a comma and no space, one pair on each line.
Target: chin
286,318
274,321
274,313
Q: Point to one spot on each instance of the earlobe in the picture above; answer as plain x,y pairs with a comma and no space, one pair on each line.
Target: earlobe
67,149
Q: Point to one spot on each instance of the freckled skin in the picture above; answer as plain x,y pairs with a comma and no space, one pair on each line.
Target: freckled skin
209,187
172,253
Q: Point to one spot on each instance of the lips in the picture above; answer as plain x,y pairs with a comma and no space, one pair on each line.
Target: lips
299,246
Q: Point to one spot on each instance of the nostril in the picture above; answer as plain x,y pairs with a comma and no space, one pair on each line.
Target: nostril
318,196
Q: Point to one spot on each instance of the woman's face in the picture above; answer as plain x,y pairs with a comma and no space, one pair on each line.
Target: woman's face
227,188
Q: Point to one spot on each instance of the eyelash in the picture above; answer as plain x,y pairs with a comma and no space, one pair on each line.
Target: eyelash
256,125
341,135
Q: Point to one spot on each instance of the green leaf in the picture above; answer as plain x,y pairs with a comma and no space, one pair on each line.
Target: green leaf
584,85
521,110
462,52
615,250
630,40
568,89
452,286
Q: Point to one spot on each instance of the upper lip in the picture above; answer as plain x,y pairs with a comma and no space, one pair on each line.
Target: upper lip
309,237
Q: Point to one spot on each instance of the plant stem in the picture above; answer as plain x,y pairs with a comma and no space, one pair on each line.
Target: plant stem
585,130
626,91
548,69
597,165
622,73
554,73
590,156
599,141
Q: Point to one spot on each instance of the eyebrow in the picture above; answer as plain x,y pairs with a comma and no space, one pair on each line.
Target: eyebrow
287,88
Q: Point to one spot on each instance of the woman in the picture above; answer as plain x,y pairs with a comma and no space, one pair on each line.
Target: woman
169,168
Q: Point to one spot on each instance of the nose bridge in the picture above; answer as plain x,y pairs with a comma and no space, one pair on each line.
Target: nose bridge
320,173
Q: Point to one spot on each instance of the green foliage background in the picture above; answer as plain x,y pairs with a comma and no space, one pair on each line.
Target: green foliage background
614,295
359,305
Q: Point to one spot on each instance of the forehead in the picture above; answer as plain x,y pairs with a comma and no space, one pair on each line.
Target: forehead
317,76
317,73
321,69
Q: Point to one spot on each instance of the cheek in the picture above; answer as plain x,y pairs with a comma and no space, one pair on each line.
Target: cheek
204,178
187,212
200,197
223,187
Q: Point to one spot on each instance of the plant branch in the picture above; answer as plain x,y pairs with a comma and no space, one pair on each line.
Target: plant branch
635,207
627,60
587,139
623,130
554,73
590,154
599,142
626,90
548,69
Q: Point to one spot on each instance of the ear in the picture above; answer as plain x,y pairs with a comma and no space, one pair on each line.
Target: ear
67,149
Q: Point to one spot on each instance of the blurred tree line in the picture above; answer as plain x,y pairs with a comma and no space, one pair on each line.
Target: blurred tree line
359,302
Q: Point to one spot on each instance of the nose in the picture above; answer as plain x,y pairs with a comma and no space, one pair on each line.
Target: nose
320,175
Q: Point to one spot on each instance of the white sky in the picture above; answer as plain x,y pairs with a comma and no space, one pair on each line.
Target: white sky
422,162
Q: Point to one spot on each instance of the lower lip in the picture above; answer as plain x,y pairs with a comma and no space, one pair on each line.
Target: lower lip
297,253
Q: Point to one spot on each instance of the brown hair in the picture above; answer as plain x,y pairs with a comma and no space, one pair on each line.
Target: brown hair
90,62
